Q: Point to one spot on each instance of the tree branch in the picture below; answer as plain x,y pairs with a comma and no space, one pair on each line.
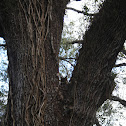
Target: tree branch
63,58
78,11
121,101
119,65
76,41
4,45
95,82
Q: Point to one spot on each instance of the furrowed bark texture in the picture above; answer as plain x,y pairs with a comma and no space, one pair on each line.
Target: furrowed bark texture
32,30
91,77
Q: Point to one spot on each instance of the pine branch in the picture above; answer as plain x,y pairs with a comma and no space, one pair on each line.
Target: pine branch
78,11
121,101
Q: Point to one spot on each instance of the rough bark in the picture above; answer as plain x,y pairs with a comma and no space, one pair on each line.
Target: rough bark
32,30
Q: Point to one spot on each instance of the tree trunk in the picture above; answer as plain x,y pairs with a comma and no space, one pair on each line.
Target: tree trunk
32,30
92,78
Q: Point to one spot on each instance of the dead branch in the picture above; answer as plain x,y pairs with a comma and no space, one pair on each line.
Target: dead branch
78,11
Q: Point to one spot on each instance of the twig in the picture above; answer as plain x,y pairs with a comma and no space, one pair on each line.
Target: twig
78,11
